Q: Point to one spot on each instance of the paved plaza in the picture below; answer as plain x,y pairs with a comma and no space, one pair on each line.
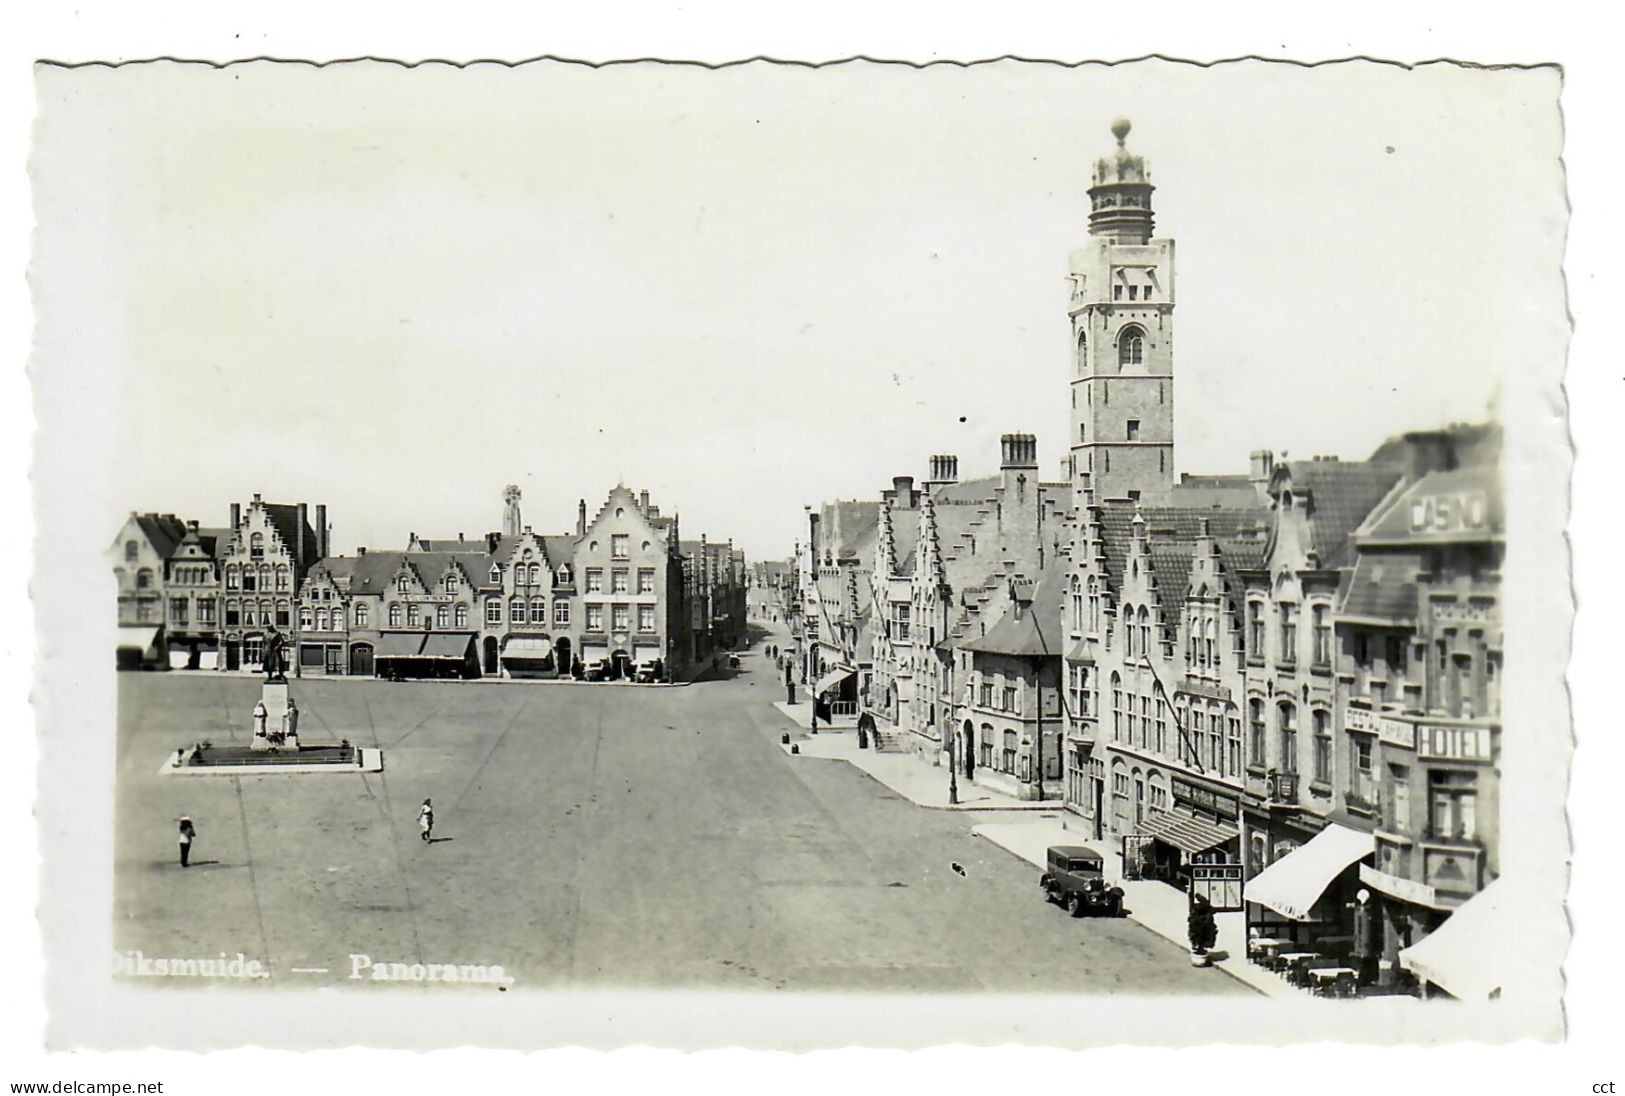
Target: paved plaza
586,835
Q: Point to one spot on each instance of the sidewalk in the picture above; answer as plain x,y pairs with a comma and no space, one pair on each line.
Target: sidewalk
921,784
1154,904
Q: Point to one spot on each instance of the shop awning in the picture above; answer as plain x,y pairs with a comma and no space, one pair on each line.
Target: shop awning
139,636
1190,835
1293,884
527,649
440,645
399,645
1466,956
832,679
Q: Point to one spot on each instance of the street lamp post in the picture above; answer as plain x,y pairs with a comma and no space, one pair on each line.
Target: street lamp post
953,767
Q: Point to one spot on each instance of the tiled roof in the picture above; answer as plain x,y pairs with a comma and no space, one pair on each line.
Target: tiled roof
214,541
1383,587
1472,444
1342,494
1170,527
373,572
163,532
449,544
1416,515
1034,628
966,491
285,517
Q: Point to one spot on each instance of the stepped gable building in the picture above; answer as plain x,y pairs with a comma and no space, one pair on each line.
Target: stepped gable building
973,537
632,587
834,566
270,549
891,590
1418,670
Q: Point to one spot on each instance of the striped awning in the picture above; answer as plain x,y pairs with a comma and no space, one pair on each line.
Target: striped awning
1190,835
527,649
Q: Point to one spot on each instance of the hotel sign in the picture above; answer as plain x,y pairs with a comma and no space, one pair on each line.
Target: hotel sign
1396,732
1453,742
1450,512
1359,719
1222,805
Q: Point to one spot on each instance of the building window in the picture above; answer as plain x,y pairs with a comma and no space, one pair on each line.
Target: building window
1145,632
462,616
132,551
535,574
595,580
233,614
1289,633
1009,698
1399,798
618,580
496,575
561,613
307,619
646,618
361,615
1117,708
1453,806
1362,783
516,611
143,579
394,614
1233,741
646,580
1323,635
618,548
1288,717
538,611
1255,629
442,616
1007,760
1133,430
322,620
205,610
284,613
595,618
493,611
177,610
1255,732
451,584
1130,346
400,584
1162,726
231,578
250,579
412,615
1323,747
256,546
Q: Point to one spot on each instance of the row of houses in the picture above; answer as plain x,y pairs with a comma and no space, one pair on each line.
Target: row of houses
623,587
1276,687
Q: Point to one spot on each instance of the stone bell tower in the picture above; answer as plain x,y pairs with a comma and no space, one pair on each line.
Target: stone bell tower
512,526
1122,312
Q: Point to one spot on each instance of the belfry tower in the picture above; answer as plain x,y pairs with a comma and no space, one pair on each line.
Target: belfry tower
512,526
1122,314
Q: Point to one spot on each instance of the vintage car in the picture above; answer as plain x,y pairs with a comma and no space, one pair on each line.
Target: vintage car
1076,880
598,670
648,671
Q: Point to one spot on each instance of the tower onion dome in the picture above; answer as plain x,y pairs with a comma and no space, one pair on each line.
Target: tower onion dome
1120,197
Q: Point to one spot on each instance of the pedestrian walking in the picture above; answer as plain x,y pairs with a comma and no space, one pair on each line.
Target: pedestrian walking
426,821
187,836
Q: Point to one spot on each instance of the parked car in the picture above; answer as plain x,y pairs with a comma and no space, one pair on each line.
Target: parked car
733,662
598,670
647,672
1076,879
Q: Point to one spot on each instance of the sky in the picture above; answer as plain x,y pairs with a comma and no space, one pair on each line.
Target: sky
396,290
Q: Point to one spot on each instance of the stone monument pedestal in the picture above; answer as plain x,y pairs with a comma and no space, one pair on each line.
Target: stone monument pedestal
274,734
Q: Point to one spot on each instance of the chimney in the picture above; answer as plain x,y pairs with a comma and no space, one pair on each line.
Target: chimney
301,520
1428,451
1018,451
944,470
359,552
191,527
643,501
581,518
236,515
1261,467
321,530
903,492
654,512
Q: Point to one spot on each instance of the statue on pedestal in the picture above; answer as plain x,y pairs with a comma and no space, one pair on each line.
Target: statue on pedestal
275,661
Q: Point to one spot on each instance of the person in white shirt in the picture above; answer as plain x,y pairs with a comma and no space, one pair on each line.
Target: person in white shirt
426,821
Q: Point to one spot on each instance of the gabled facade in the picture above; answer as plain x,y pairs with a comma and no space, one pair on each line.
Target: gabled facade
139,556
630,579
269,550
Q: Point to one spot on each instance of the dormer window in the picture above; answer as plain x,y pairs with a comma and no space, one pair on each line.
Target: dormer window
451,584
496,574
400,584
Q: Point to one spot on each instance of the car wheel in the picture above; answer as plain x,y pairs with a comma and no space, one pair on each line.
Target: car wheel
1077,905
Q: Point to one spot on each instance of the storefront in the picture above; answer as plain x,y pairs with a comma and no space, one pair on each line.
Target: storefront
529,657
442,655
142,647
1308,896
1201,831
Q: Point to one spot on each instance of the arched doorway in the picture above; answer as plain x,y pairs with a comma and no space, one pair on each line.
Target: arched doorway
866,727
491,664
967,750
620,665
563,661
361,660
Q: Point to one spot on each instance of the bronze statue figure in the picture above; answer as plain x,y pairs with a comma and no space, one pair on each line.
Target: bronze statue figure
275,662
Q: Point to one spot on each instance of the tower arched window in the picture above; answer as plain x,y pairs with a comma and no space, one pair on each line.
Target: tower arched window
1083,351
1130,347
